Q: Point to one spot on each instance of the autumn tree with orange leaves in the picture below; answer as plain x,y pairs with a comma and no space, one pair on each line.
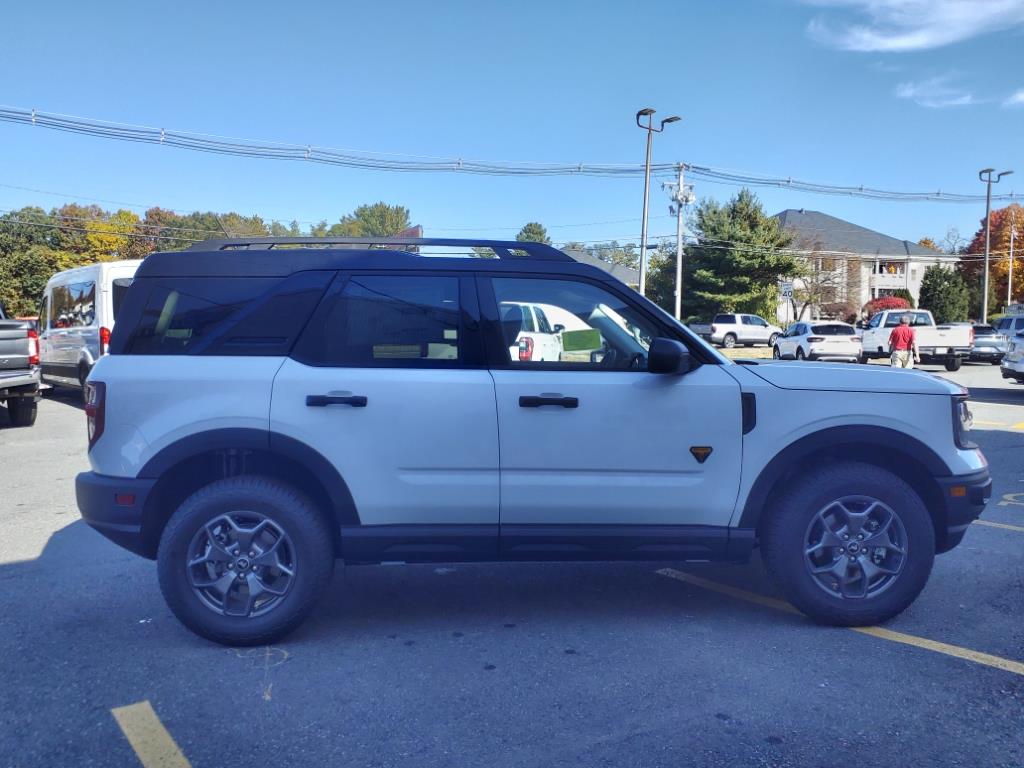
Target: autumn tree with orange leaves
973,266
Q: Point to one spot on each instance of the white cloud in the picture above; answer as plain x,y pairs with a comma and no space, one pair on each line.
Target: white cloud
912,25
1015,99
935,93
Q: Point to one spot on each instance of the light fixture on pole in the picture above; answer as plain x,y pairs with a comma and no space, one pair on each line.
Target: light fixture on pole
651,130
986,176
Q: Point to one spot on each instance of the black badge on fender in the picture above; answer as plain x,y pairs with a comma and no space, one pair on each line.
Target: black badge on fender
701,453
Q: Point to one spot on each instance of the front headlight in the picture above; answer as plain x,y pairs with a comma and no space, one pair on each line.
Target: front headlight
963,420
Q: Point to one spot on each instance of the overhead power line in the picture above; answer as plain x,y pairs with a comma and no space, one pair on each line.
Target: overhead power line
359,159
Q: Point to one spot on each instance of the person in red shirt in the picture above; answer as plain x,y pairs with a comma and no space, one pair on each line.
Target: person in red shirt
903,345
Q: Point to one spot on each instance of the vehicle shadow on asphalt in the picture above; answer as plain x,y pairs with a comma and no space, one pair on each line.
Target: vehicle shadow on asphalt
999,395
366,602
66,396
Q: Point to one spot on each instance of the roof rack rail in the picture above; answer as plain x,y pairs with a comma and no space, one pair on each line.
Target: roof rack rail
504,249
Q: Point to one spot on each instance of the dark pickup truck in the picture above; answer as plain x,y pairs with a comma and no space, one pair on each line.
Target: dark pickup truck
19,369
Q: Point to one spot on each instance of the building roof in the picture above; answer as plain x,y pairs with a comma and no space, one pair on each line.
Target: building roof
816,230
620,272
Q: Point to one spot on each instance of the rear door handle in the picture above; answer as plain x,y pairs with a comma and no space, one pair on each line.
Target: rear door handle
536,401
319,401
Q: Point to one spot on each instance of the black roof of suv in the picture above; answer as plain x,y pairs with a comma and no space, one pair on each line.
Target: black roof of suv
283,256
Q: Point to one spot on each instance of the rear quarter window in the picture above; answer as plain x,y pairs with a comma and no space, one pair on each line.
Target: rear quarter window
724,319
216,316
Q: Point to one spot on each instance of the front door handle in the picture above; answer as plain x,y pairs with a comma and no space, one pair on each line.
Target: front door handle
319,401
536,401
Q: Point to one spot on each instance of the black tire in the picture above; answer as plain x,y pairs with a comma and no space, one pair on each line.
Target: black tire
800,354
776,353
729,341
784,534
997,361
22,411
308,533
953,364
772,339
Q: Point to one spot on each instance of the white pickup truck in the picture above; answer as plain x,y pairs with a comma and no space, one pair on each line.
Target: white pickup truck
948,345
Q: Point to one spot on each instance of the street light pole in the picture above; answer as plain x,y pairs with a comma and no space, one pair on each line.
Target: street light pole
1013,237
651,130
986,176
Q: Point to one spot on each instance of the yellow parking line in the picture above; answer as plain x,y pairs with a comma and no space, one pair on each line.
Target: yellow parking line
1006,526
152,743
956,651
991,423
1019,425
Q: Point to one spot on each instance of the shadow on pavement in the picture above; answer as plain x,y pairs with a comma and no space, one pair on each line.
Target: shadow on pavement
1011,394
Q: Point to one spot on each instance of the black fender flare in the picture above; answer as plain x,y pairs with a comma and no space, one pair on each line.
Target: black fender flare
888,440
259,440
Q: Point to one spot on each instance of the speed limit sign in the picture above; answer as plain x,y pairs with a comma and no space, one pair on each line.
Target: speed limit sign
787,290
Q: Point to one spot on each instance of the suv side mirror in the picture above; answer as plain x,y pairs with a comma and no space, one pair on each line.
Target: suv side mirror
559,328
668,356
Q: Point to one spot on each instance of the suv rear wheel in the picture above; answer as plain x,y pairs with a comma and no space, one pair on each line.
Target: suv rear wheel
851,545
729,341
243,560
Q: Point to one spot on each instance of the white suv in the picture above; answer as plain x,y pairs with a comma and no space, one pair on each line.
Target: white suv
731,329
266,411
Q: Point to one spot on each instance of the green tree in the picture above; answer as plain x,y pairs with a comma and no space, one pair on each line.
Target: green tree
377,220
903,293
944,293
23,275
735,265
533,232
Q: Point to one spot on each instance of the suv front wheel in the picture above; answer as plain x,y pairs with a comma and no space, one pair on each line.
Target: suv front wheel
243,560
850,545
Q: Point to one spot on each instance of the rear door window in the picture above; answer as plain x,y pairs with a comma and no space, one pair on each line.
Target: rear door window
390,320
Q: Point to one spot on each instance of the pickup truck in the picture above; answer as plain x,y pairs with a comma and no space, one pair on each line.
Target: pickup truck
947,345
19,369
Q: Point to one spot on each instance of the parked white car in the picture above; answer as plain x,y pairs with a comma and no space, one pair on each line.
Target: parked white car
948,345
730,329
537,340
819,341
76,318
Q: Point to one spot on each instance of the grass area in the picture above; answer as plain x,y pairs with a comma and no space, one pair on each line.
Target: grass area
739,353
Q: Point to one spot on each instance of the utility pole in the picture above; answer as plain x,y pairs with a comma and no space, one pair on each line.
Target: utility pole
986,176
682,195
1013,237
651,130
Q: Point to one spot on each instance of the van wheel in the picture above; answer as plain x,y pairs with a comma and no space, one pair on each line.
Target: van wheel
243,560
729,341
851,545
22,411
953,364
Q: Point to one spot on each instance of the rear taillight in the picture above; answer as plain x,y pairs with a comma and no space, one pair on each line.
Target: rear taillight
104,340
525,349
813,339
972,336
95,409
33,348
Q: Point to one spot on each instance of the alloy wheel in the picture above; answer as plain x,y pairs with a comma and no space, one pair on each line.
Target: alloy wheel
241,564
855,547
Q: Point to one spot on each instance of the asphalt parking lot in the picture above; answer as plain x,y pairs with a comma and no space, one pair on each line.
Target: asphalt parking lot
647,664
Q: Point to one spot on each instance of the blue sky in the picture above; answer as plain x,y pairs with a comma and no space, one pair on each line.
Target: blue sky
901,94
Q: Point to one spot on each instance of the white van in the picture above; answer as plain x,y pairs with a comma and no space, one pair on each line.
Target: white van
76,316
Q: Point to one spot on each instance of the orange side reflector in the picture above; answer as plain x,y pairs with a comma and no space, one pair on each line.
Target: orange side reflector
958,491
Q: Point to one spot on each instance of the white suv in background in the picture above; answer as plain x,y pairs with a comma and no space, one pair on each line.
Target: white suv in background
730,329
836,342
264,412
